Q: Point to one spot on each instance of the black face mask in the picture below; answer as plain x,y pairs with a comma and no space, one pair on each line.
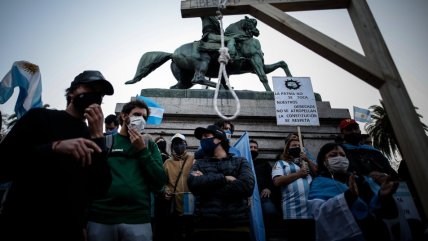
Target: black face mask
84,100
254,154
208,146
179,148
294,152
353,138
162,146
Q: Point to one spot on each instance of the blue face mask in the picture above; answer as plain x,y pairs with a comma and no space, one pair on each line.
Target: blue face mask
111,132
208,146
228,134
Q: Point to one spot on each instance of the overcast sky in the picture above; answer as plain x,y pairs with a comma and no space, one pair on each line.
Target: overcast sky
66,37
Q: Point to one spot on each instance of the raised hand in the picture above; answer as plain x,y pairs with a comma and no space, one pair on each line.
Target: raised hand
136,139
388,187
95,117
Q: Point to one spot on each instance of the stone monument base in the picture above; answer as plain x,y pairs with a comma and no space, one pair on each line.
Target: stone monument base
188,109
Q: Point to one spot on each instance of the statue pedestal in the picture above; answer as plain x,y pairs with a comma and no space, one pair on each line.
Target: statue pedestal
188,109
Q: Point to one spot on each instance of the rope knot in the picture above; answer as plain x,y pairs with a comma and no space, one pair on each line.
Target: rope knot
224,55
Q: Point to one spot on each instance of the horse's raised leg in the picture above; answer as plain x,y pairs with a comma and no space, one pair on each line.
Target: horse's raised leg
281,64
258,66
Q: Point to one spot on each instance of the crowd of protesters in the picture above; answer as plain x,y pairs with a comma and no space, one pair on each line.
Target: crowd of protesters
71,178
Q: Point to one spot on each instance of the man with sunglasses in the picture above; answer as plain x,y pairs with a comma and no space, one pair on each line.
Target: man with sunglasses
57,163
137,170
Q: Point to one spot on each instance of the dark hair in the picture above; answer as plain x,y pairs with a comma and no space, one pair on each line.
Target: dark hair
326,148
128,107
254,141
221,123
68,92
111,119
366,139
162,148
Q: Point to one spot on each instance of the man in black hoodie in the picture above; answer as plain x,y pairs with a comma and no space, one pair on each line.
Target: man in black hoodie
57,163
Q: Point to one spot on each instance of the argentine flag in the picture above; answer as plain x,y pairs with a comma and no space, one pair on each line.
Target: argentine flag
256,215
361,115
156,111
27,77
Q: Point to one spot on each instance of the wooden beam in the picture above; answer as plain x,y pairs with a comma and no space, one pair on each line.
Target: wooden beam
376,68
321,44
407,126
198,8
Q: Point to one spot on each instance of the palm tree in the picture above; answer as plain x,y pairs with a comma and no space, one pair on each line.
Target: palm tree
380,129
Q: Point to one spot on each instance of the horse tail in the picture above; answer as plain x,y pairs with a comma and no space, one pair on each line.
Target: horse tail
148,63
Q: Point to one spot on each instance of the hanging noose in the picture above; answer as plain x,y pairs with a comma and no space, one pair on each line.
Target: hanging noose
223,59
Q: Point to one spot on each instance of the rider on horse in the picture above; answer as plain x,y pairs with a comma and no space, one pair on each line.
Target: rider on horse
211,36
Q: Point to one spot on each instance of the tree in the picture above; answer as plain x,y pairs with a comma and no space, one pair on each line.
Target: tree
380,129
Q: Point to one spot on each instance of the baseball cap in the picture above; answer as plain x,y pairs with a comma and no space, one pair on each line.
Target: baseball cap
347,122
93,76
213,129
178,135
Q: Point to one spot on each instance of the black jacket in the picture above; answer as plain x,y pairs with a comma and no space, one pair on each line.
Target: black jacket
219,203
48,186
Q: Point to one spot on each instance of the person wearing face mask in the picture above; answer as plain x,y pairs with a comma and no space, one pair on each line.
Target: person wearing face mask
111,124
350,207
161,142
269,194
136,166
228,129
222,184
363,159
57,165
295,136
292,173
180,221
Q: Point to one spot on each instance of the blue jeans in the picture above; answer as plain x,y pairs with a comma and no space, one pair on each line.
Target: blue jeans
116,232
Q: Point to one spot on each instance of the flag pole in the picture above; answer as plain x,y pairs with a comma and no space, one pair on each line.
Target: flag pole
300,138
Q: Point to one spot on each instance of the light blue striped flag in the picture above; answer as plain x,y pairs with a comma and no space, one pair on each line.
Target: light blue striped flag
156,111
256,218
27,77
361,115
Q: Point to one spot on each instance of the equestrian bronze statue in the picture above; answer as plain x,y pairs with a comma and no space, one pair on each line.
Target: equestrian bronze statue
192,63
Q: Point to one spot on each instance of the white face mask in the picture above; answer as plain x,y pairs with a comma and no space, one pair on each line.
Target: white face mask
137,122
338,164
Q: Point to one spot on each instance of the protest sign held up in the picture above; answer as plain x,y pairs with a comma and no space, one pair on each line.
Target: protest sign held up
295,102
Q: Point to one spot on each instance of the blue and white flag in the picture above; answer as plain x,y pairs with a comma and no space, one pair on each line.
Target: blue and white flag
256,218
156,111
27,77
361,115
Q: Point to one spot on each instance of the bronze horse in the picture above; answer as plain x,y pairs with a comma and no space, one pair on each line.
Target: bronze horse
190,64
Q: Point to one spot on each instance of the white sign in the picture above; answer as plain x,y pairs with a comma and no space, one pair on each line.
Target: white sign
404,197
295,101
